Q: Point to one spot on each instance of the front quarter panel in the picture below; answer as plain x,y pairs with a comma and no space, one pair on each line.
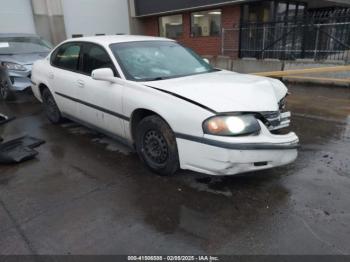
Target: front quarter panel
182,116
280,89
40,76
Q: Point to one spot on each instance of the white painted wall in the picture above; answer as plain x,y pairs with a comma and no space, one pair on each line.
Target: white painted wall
16,16
90,17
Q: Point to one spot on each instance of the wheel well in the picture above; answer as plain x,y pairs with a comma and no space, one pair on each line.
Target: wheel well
42,87
136,118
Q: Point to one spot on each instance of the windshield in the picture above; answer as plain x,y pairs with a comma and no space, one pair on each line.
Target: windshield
157,60
23,45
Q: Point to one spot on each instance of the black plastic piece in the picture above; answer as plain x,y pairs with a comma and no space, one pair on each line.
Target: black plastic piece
15,153
19,149
260,163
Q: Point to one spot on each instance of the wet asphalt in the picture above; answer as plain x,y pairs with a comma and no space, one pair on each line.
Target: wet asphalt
87,194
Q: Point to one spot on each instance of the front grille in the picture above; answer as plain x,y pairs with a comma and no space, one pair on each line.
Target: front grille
272,118
275,120
273,114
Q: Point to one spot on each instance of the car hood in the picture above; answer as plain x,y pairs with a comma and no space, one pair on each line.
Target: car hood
226,91
23,59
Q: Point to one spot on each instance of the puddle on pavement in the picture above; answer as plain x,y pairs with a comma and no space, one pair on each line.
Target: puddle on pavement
77,129
109,143
112,145
213,185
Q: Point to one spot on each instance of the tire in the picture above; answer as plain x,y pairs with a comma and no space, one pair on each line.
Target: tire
5,93
156,145
50,107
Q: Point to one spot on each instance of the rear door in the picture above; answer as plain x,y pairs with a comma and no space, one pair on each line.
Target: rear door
102,105
64,75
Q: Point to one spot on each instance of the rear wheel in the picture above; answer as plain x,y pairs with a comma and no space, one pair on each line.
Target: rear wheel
156,145
50,107
5,92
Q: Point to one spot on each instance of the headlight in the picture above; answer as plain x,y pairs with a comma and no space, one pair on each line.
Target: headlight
14,66
231,125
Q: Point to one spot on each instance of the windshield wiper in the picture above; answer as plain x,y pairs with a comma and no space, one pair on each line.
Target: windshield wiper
156,78
176,76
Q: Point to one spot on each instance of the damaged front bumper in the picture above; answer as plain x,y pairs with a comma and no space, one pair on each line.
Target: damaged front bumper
216,155
19,80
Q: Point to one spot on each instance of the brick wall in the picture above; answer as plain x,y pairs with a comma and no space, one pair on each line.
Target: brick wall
150,26
204,45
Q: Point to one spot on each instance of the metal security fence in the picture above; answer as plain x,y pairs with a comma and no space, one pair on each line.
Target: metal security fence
318,37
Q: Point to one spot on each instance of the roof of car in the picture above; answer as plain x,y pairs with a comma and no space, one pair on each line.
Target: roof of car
112,39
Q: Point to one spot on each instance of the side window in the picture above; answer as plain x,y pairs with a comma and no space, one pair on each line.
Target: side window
95,57
67,56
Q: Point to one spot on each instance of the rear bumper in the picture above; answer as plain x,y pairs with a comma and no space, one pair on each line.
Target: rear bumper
229,156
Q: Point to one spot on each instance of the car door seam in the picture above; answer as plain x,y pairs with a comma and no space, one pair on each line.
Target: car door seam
126,118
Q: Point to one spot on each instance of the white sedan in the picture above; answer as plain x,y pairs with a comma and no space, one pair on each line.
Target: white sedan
168,103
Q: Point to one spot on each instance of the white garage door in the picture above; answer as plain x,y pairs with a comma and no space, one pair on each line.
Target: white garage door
91,17
16,16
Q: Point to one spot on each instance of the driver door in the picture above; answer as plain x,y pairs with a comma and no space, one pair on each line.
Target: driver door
102,100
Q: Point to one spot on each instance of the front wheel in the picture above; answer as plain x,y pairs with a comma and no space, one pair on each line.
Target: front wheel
156,145
50,107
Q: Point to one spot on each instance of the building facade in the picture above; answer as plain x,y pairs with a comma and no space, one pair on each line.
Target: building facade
279,29
215,27
196,24
16,16
57,20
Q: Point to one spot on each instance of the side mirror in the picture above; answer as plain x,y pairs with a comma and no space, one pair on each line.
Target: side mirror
206,60
103,74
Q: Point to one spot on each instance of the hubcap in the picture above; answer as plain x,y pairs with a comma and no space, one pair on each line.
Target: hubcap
155,146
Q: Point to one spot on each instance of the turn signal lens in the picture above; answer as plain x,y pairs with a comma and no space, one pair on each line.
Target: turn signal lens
231,125
216,125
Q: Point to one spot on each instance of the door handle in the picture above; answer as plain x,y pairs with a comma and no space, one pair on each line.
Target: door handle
81,83
51,76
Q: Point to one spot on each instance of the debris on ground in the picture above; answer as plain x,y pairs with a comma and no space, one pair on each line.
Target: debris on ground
19,149
5,119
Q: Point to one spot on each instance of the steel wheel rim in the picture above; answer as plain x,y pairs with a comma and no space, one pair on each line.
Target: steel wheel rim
155,147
